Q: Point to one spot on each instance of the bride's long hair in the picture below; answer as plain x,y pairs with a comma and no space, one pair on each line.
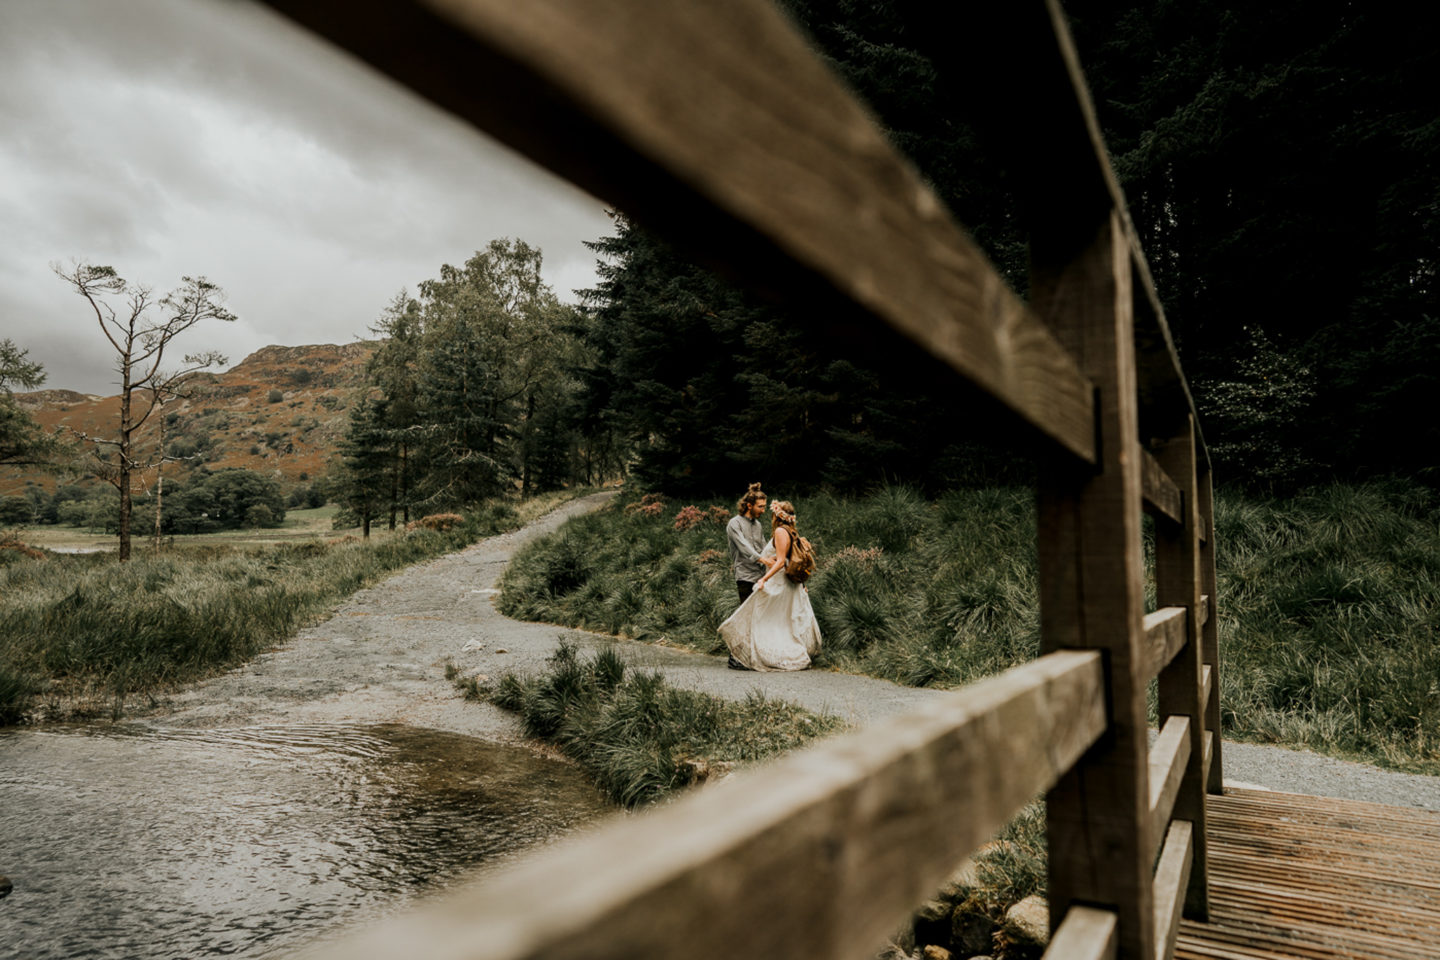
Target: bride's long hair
782,515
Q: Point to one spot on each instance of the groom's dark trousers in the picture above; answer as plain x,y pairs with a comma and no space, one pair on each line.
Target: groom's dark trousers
745,588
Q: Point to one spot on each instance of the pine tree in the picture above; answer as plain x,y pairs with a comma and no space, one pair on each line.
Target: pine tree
362,485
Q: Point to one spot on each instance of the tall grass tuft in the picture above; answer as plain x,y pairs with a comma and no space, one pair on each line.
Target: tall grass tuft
639,737
76,630
1327,601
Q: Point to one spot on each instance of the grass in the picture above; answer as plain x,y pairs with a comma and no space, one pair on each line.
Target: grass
309,524
637,736
1327,601
81,631
922,593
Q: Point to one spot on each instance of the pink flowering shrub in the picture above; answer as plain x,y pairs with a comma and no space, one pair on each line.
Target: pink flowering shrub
689,517
718,515
710,556
650,505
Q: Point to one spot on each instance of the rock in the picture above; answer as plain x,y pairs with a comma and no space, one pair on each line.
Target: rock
502,650
473,645
971,931
932,952
1029,920
893,951
5,887
966,877
932,922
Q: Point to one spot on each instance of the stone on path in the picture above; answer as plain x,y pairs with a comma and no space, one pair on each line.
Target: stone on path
1030,918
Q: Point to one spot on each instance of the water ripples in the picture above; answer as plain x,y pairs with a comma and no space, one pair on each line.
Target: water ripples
159,843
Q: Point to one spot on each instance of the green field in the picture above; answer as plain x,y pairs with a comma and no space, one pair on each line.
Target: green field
310,524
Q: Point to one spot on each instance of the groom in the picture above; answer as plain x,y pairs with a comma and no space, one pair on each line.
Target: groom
746,535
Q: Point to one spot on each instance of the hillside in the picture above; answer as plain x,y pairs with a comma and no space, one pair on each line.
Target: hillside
281,411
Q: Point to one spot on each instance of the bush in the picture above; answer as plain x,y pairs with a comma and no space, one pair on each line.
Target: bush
442,522
639,737
275,395
15,511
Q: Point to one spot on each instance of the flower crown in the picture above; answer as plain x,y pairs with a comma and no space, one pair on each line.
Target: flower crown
781,515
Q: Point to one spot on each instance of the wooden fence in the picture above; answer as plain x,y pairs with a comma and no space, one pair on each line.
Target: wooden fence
713,122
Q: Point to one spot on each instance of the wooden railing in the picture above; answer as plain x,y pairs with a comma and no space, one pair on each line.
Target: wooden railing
711,121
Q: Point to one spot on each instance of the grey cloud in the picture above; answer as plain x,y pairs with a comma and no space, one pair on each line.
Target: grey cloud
179,136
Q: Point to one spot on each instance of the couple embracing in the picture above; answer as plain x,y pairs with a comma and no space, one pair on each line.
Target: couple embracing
774,628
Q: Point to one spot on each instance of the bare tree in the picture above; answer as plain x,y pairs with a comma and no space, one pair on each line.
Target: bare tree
140,328
167,387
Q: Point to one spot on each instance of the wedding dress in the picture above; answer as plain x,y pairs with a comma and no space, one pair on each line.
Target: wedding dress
775,628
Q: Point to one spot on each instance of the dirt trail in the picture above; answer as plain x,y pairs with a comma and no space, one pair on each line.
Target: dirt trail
381,659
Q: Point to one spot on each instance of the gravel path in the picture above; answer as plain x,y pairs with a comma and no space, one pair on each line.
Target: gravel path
381,659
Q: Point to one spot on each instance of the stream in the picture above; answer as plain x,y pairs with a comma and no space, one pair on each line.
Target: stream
149,842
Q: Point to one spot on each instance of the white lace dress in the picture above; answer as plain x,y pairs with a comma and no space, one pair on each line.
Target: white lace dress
775,628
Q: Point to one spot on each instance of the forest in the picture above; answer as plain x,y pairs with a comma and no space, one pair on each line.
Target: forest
1280,166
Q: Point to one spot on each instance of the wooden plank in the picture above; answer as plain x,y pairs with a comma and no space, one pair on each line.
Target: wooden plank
1162,497
1177,582
1092,592
1164,637
718,126
1084,934
1319,878
1171,879
1206,675
1204,608
1209,631
1161,376
1169,755
821,853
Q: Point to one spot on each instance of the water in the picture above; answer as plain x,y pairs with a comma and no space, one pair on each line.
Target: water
148,843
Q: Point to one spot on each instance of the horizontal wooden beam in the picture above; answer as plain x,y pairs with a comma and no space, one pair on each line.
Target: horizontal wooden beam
821,853
1086,933
1162,497
1172,876
1168,756
1164,638
1162,382
718,126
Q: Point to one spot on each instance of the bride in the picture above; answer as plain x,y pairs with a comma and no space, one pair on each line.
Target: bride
774,629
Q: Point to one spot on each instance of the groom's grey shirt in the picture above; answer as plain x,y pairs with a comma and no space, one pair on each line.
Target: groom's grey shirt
747,539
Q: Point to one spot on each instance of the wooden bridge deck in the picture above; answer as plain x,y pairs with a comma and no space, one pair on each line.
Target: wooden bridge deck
1310,877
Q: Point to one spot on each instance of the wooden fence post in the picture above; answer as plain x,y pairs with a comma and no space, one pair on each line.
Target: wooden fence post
1178,584
1209,632
1091,588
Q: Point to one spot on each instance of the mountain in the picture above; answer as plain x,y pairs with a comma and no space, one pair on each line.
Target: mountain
281,411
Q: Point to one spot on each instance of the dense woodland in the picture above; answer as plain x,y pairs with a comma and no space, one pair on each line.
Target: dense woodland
1281,164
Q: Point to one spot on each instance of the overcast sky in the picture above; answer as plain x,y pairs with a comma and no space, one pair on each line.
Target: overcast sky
175,137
